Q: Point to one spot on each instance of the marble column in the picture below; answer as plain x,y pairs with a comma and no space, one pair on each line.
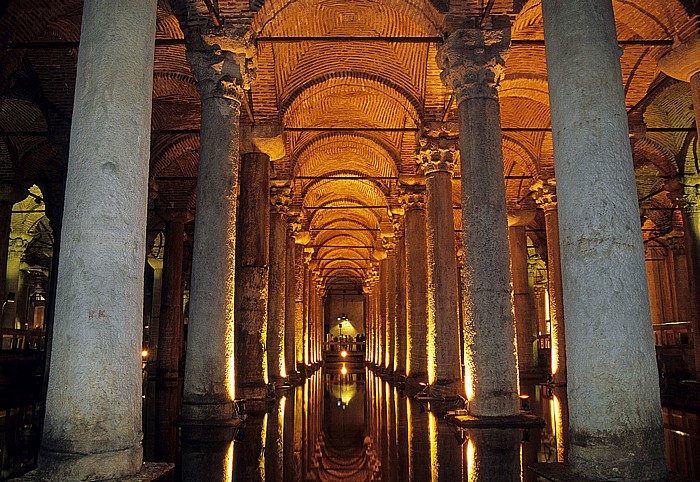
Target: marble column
10,194
413,200
473,62
615,426
546,197
252,258
382,309
436,157
691,204
277,281
209,386
16,247
400,301
170,335
301,239
390,248
151,334
522,301
92,427
293,227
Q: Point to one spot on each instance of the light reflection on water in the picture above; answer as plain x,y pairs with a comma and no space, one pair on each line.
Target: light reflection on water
357,427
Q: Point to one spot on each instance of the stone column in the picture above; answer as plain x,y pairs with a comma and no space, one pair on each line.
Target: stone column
170,335
156,263
436,157
413,200
473,63
391,342
293,227
92,428
10,194
546,197
400,301
691,204
16,247
616,431
524,309
382,328
209,371
252,257
301,239
277,282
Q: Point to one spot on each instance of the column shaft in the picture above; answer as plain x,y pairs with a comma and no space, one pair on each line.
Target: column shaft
556,297
473,62
416,282
170,343
277,296
401,306
290,309
92,428
443,323
209,371
252,258
391,311
616,431
524,309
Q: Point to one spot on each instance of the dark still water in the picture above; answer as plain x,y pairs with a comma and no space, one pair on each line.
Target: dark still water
357,427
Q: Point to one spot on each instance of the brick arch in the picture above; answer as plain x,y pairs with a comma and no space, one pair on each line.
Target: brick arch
280,16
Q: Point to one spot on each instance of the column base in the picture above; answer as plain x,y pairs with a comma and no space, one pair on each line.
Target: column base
522,420
64,466
203,413
562,472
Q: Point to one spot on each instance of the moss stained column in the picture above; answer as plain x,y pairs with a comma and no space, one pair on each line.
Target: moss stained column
222,73
473,62
436,157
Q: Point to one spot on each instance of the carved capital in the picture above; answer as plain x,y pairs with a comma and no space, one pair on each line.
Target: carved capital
545,193
473,61
691,197
223,61
389,245
18,243
280,197
437,154
413,198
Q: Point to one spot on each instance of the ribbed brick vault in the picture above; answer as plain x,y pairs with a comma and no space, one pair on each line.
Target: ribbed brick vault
350,110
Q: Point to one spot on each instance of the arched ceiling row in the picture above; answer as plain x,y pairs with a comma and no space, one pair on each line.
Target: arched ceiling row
351,85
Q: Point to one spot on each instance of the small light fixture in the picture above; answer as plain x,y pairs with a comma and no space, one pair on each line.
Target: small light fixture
344,353
144,353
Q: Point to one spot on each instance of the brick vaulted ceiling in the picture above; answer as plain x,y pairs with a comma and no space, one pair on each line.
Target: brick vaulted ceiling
351,84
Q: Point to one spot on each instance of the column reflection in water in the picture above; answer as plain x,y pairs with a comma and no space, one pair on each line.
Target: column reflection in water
205,458
493,455
357,426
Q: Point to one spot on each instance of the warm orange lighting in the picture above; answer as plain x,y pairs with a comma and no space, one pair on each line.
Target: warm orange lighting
344,370
433,437
344,353
144,353
472,469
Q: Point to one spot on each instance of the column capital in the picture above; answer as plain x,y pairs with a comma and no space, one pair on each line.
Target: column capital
389,245
545,193
683,60
691,195
18,243
437,154
413,197
473,60
280,196
223,61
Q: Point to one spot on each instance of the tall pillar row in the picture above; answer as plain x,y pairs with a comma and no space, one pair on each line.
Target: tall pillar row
522,301
98,326
400,298
615,426
293,227
473,62
389,246
209,387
